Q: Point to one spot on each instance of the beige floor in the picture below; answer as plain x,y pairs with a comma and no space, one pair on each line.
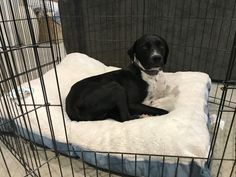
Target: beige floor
17,170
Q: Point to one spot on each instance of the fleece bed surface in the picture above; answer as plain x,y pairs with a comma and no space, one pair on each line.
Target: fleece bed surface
182,132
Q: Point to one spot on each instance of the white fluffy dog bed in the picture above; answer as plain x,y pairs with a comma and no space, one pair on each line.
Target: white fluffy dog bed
182,132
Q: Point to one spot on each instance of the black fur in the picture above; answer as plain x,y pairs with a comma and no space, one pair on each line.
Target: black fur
118,94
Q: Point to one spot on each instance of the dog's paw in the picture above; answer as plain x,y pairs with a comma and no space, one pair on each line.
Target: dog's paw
163,112
132,117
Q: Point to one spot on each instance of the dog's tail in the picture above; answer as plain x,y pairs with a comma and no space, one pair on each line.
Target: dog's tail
73,112
71,109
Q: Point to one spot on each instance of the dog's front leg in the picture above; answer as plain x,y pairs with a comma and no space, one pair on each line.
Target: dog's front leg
119,99
144,109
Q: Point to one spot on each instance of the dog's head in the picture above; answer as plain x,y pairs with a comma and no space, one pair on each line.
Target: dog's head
150,53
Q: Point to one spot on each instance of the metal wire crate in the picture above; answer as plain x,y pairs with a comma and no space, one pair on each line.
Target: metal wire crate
201,35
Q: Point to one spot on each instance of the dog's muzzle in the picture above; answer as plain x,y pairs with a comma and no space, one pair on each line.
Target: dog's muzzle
153,71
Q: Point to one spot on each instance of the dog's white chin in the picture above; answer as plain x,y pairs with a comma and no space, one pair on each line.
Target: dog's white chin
155,69
152,71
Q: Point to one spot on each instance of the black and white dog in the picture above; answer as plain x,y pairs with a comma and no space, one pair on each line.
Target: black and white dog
119,94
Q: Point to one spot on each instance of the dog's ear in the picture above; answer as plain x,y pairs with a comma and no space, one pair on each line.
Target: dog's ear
131,52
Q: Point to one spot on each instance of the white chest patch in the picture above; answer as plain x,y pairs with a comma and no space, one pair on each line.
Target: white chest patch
156,87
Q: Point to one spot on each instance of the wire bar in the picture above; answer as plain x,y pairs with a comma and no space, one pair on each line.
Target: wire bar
201,37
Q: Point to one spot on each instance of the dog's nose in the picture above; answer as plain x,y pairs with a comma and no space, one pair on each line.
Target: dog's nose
156,58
